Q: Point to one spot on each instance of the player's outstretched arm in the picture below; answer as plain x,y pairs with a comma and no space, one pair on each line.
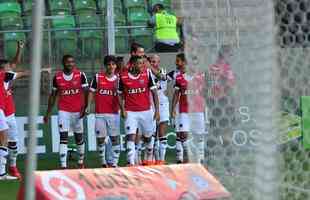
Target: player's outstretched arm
16,60
51,102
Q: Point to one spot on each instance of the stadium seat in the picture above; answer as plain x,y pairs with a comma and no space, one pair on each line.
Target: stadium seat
121,41
138,18
88,21
143,36
28,7
83,7
92,43
10,41
119,19
65,41
10,9
12,23
66,22
60,7
166,3
134,3
118,6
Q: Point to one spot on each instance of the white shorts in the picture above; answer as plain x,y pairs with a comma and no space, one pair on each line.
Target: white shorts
164,112
107,125
142,120
3,122
190,122
12,131
70,121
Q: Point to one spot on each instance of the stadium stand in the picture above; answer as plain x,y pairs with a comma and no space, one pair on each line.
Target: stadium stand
16,15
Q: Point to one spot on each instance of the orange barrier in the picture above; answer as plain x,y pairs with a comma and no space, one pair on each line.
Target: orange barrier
165,182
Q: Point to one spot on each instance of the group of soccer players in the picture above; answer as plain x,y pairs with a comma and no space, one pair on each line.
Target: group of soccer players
136,92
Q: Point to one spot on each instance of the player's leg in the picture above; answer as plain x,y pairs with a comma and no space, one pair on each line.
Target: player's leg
131,126
164,118
146,123
3,145
64,126
138,147
101,133
77,127
162,142
199,135
182,129
114,133
12,146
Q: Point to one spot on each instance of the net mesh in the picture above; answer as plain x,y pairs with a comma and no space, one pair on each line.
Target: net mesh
254,142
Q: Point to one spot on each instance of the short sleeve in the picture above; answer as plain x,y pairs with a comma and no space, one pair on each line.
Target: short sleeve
171,75
9,76
93,84
84,80
151,83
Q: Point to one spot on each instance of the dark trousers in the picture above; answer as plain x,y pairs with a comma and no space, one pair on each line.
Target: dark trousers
162,47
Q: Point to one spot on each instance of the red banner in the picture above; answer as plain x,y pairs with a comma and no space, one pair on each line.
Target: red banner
166,182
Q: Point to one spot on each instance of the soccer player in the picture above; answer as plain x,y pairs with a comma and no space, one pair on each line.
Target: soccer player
70,87
187,108
104,90
161,82
134,89
221,82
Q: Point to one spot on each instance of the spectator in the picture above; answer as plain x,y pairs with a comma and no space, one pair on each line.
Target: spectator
165,24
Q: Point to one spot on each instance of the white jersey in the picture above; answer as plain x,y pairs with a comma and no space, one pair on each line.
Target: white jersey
161,90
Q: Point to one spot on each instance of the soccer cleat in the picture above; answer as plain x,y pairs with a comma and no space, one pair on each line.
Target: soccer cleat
13,171
104,166
179,162
7,177
81,166
160,162
147,162
130,165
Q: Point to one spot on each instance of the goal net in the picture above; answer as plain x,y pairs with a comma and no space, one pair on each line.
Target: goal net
260,48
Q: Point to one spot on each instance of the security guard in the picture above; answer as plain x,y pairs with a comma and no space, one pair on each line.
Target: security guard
165,24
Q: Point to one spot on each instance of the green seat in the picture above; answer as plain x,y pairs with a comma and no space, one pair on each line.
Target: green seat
60,7
83,7
66,22
118,7
138,18
119,19
88,21
134,3
92,43
165,3
28,7
65,42
143,36
10,9
10,43
11,23
121,41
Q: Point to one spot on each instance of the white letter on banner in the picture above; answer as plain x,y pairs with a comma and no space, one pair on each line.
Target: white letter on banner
55,134
21,121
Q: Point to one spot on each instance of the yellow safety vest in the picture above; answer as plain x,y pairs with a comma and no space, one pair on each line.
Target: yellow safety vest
166,27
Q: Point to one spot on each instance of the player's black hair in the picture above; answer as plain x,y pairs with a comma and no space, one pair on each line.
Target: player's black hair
3,62
109,58
158,6
134,59
181,56
134,47
65,57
